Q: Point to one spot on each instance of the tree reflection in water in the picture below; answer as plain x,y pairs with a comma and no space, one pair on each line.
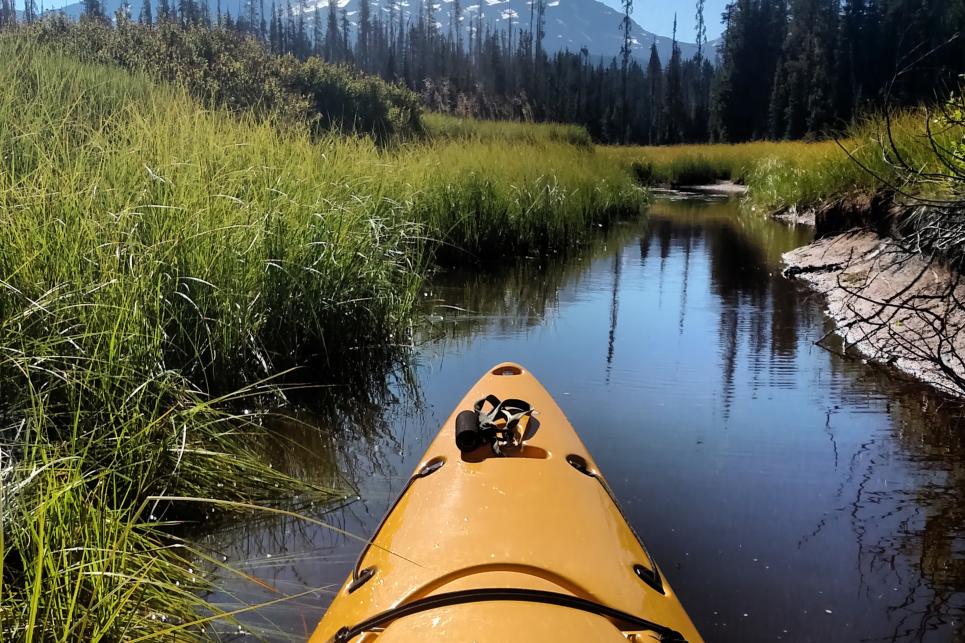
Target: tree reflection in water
849,481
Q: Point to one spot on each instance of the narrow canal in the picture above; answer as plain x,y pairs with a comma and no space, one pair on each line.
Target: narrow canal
789,494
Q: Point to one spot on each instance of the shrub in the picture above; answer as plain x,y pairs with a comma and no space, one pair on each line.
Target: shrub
226,69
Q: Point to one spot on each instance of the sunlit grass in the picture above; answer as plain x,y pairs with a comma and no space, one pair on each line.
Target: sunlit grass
493,200
441,126
684,165
868,159
784,173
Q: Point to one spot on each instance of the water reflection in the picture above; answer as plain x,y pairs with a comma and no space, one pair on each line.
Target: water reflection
614,311
337,438
788,493
755,305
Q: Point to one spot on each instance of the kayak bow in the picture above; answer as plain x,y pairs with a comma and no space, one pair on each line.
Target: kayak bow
515,541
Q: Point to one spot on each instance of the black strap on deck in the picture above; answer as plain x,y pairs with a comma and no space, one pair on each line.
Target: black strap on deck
626,621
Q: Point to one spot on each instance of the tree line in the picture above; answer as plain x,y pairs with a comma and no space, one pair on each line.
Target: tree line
786,68
790,69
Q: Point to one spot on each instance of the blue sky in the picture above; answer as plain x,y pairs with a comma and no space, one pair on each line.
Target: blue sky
653,15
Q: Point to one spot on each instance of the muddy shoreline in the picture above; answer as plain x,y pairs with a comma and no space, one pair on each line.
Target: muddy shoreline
895,307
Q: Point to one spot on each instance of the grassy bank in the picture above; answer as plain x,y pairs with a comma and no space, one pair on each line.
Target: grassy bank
685,165
803,174
155,255
441,126
895,154
491,200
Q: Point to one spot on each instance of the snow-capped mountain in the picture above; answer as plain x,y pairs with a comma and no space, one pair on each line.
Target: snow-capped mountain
570,24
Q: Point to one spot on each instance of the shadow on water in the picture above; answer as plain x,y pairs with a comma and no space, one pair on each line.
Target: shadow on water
788,493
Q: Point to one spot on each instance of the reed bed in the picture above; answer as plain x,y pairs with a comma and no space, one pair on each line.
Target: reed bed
488,201
894,153
781,174
442,126
687,165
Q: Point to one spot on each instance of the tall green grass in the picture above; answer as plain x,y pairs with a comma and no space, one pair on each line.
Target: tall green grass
442,126
489,201
149,256
865,160
786,173
688,165
154,258
489,190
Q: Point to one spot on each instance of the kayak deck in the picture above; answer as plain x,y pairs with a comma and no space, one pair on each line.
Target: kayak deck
540,520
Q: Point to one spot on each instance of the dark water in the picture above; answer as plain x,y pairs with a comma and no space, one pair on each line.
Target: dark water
788,494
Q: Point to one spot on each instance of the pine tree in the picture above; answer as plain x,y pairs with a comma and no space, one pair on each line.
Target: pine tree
251,16
262,23
848,85
93,10
700,114
274,31
626,51
456,22
701,31
477,34
301,46
540,27
318,33
655,80
123,14
346,34
673,120
802,99
291,33
188,12
730,76
147,15
364,35
332,38
752,44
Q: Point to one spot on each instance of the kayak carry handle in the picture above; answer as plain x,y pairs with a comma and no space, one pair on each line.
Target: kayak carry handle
468,435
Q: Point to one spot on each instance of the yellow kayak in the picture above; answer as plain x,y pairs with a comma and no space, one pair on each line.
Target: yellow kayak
506,531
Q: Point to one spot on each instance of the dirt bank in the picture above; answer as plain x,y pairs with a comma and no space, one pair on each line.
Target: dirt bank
895,307
877,212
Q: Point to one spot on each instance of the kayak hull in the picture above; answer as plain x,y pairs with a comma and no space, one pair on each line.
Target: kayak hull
540,521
